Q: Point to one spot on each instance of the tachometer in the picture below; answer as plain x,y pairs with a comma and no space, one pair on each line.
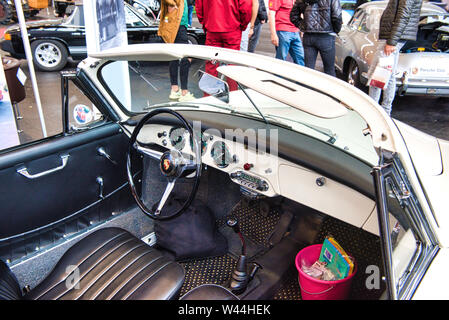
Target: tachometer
178,138
221,155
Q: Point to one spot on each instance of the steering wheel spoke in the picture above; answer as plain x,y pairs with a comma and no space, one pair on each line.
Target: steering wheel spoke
147,151
172,164
190,165
167,192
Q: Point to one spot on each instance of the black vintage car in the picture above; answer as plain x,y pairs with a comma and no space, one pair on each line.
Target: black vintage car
54,41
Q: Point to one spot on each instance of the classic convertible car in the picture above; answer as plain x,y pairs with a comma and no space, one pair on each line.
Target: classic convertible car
141,197
54,41
423,67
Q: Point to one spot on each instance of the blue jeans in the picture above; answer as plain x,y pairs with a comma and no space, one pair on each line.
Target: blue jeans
390,91
190,15
290,42
324,43
254,40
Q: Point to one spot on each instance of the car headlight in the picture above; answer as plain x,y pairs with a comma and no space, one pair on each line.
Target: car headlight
7,36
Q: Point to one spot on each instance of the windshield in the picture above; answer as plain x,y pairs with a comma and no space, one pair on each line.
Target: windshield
139,86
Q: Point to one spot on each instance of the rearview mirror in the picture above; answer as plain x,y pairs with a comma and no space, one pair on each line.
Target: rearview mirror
214,86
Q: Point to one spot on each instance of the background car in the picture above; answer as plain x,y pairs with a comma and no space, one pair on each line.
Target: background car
54,41
423,67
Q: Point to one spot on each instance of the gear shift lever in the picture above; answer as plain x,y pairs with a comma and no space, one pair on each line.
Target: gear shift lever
240,277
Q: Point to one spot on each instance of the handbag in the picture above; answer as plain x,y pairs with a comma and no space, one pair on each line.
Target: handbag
382,72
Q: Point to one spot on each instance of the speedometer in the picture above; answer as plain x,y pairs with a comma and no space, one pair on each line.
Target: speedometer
177,138
220,154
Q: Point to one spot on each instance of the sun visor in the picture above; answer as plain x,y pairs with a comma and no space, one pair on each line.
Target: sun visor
290,93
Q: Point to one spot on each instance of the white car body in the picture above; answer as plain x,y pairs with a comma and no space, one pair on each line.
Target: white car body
423,157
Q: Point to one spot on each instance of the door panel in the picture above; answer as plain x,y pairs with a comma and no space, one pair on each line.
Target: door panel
32,206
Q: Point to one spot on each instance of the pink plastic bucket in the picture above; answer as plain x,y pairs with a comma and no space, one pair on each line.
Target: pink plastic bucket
314,289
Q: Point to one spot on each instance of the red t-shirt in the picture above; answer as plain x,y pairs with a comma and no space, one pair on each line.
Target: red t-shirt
223,15
282,9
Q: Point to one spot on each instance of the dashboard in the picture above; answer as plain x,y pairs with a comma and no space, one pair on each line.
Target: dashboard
262,174
255,172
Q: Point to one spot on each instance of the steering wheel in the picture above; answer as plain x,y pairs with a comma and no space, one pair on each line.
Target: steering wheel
172,163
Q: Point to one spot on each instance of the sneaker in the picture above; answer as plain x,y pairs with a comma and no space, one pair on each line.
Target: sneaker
174,95
187,97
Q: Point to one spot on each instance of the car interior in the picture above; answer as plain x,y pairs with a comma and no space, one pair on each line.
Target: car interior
166,205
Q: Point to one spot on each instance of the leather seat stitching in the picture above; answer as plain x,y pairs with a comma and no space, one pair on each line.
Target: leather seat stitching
149,278
113,294
78,265
106,269
95,264
120,273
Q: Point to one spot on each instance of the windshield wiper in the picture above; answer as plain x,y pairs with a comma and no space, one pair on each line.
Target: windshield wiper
252,102
327,132
140,74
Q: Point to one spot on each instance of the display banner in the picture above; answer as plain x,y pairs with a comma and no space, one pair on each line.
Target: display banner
106,29
105,24
8,134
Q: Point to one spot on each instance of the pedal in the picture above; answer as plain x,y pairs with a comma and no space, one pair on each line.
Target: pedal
281,228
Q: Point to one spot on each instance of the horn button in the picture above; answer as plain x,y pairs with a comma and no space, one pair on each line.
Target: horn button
171,162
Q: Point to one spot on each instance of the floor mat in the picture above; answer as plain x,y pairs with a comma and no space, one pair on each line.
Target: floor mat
216,270
253,224
364,246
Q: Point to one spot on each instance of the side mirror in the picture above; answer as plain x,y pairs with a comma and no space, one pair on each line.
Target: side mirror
214,86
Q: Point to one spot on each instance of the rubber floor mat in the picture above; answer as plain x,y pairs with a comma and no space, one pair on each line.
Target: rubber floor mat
216,270
363,246
253,224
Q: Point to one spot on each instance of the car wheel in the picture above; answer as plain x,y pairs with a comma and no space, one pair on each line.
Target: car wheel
5,12
353,74
49,55
192,39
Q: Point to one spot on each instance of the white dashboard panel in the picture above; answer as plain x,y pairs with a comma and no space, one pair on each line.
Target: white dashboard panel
331,198
282,177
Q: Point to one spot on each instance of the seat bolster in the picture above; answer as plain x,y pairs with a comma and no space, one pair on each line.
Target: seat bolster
209,292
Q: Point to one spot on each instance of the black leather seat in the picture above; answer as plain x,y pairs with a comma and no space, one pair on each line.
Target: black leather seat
110,264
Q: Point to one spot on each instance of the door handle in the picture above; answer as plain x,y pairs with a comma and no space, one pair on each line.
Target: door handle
24,171
103,153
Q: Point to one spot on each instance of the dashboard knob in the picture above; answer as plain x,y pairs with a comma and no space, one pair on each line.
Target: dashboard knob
235,175
320,181
248,166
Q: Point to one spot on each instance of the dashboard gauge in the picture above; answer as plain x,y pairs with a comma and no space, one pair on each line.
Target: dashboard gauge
178,138
220,154
203,142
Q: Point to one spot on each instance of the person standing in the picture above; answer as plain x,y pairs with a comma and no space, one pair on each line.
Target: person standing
284,34
173,29
249,31
398,23
191,4
321,23
262,17
223,21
